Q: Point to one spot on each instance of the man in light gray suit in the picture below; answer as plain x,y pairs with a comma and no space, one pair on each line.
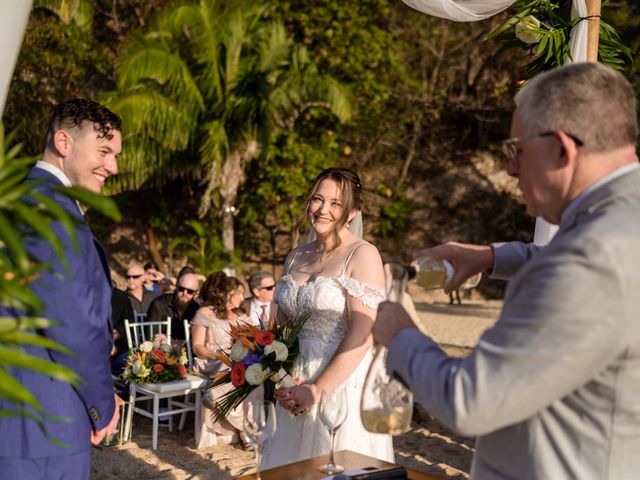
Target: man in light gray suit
552,391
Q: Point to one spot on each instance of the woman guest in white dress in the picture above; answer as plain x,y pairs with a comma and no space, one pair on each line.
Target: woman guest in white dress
221,298
338,279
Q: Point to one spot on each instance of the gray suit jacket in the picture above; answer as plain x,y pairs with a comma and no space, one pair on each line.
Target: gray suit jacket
553,389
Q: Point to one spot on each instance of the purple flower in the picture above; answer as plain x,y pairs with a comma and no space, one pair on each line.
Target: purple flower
252,358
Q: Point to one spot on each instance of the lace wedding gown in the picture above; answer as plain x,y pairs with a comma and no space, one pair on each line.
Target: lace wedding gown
305,436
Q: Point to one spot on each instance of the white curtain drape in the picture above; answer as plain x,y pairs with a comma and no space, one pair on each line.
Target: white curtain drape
474,10
13,22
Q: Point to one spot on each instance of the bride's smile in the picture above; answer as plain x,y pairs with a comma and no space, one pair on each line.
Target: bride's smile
325,207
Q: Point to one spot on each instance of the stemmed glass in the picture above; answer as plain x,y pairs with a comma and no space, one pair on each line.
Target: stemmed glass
259,425
333,412
386,405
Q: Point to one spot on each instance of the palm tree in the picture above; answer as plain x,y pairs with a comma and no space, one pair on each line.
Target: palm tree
204,90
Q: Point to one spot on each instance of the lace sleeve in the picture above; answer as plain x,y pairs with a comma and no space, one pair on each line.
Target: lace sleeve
369,295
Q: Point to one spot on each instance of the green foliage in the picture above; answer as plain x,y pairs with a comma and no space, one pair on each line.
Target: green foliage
56,62
275,189
203,248
19,219
194,96
78,11
395,214
540,31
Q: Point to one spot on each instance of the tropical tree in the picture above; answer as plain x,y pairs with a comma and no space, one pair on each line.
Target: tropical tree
204,91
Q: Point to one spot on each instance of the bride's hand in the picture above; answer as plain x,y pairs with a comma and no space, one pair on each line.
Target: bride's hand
282,395
299,398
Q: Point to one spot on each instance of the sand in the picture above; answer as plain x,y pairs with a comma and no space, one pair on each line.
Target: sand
427,447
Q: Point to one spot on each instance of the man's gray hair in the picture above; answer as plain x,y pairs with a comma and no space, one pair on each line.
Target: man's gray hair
589,100
255,279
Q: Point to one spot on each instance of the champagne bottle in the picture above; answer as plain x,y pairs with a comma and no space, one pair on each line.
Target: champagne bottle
432,274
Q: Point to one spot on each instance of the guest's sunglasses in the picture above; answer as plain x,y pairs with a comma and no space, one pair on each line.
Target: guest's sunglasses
190,291
135,276
270,287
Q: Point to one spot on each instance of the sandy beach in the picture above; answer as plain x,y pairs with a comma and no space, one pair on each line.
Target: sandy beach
428,446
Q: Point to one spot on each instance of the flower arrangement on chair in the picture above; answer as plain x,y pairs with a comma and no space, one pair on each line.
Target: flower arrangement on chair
155,362
257,354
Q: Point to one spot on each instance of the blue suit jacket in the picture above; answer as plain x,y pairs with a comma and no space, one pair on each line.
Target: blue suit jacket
80,299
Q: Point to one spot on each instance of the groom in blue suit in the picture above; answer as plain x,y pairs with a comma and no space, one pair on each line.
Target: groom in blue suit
83,143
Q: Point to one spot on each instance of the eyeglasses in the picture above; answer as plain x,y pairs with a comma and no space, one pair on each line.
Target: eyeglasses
134,276
270,287
190,291
511,149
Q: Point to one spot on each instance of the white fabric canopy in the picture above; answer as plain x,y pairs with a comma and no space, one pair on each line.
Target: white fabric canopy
13,22
474,10
460,10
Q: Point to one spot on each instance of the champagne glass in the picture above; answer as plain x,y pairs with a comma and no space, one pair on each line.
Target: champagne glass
333,412
387,404
259,425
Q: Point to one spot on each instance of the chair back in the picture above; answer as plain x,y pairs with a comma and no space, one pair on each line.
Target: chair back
187,337
138,332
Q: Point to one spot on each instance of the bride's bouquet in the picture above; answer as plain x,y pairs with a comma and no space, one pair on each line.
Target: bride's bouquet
257,354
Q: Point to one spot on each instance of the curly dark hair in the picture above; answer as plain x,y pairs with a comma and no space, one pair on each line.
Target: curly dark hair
73,113
216,290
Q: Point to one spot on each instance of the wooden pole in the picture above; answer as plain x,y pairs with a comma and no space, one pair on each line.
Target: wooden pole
593,36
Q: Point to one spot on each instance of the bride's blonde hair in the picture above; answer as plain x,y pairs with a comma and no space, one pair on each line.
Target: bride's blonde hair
350,188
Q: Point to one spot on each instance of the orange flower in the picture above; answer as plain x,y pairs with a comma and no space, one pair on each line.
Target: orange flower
223,358
264,337
242,330
159,355
237,374
248,343
219,375
171,361
158,368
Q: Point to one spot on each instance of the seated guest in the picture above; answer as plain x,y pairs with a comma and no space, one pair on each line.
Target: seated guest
139,296
258,306
121,310
188,269
167,285
179,305
221,299
152,277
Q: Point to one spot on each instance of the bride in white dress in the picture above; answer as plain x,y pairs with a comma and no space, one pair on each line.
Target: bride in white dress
337,278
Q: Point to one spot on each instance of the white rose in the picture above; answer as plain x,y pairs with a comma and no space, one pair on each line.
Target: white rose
525,29
238,351
255,375
135,367
146,346
279,348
